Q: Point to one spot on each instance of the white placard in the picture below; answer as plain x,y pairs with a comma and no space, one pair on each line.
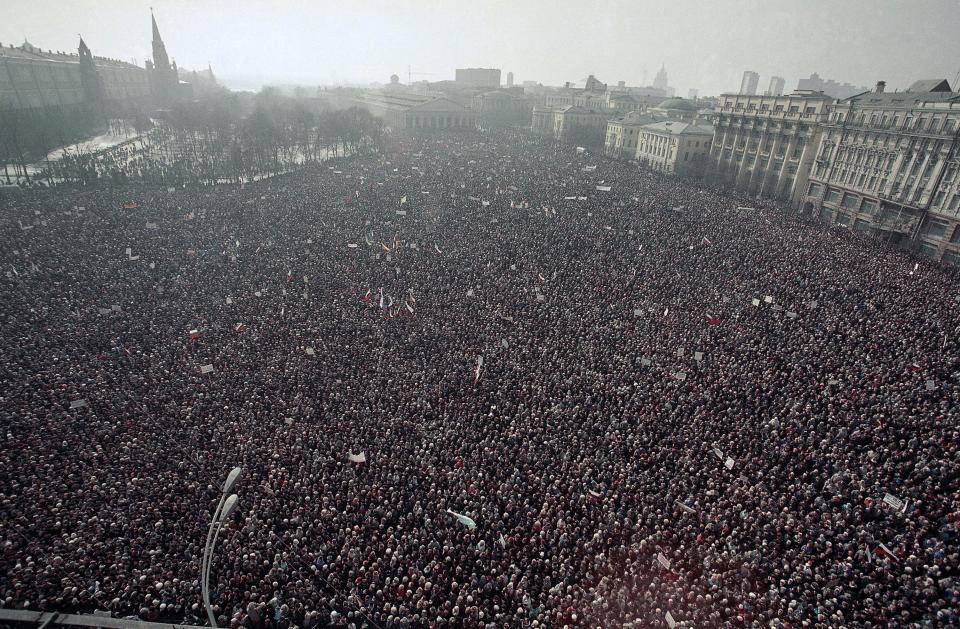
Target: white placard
680,376
663,561
893,502
206,368
646,362
729,463
78,403
670,621
637,312
698,356
755,301
768,299
310,351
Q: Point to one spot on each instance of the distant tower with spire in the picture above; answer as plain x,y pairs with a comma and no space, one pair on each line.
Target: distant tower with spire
164,81
90,80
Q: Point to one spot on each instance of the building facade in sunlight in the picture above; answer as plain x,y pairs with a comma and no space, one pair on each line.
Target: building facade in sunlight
765,145
889,164
674,147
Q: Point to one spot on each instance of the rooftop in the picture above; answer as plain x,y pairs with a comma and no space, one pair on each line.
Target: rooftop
924,91
679,128
27,51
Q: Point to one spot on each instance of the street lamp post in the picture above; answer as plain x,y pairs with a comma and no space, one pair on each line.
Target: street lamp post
228,502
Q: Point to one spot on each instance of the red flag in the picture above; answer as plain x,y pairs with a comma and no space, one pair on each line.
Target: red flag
239,328
130,205
289,276
705,241
194,334
712,320
366,298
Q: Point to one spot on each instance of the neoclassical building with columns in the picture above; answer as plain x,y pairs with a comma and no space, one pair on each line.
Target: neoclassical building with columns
404,110
889,164
765,145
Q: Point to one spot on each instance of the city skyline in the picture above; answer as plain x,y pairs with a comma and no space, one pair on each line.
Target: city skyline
703,46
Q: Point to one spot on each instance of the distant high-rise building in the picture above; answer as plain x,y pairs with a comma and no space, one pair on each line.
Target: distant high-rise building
692,93
660,81
509,79
829,87
478,77
748,85
776,86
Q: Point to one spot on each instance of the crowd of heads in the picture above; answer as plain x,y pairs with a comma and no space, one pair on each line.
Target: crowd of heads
659,403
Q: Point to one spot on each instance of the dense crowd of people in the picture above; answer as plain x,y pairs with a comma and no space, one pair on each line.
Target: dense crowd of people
651,404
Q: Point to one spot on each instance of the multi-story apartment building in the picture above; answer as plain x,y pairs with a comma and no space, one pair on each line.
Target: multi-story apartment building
889,164
570,124
675,147
478,77
766,144
622,134
748,84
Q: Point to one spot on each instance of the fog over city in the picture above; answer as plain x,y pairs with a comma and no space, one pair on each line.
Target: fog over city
704,45
480,315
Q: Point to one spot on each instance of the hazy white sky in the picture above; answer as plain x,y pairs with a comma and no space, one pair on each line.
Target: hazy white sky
705,44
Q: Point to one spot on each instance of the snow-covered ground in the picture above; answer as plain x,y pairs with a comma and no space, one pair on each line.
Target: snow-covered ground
90,145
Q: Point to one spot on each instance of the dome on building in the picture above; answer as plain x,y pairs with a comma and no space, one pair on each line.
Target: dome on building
678,103
394,79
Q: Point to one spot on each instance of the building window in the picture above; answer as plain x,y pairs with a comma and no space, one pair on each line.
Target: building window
869,207
936,228
815,190
850,201
833,196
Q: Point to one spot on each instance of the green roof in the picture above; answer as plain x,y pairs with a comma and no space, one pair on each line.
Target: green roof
678,103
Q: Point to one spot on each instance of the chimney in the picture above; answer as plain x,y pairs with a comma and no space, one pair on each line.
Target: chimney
880,87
